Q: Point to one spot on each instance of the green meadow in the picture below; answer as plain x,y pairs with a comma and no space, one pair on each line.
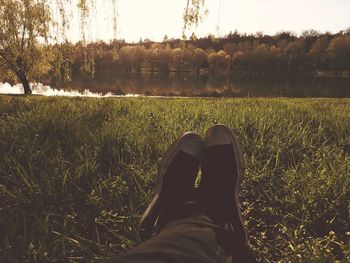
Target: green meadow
76,173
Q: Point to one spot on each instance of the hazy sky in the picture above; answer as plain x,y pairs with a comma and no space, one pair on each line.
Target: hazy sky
155,18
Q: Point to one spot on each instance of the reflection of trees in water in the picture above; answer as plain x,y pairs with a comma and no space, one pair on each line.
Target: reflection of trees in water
188,84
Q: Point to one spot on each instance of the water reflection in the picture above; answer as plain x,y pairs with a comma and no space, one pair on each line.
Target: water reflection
217,86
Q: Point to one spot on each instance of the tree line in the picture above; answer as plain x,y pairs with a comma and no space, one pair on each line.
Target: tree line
255,56
258,55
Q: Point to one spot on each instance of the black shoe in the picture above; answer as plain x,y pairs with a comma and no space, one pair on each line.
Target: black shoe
178,171
222,173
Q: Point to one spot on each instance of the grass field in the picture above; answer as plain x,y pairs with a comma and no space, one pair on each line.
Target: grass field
76,173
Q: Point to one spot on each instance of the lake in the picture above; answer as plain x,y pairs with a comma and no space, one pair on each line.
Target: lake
192,85
189,84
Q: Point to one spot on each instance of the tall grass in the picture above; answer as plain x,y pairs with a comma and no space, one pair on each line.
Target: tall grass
76,173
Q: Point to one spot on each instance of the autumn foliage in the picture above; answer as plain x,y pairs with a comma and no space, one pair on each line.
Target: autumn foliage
256,56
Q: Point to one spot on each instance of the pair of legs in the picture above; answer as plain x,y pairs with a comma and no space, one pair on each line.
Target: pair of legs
188,224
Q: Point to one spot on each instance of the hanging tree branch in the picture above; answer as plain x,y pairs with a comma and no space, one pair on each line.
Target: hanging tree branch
193,14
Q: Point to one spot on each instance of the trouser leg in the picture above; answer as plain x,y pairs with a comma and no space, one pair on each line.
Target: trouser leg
191,239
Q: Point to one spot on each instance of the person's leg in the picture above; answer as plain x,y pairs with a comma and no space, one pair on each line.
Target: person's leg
192,240
202,227
177,173
222,173
176,228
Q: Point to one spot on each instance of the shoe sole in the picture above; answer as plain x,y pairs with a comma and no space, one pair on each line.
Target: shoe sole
150,217
237,217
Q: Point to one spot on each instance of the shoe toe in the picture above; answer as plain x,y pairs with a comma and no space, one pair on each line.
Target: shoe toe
193,146
217,135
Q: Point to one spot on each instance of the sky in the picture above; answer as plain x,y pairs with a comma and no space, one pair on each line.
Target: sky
153,19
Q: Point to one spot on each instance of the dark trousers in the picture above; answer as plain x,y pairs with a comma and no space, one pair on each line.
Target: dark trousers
192,240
